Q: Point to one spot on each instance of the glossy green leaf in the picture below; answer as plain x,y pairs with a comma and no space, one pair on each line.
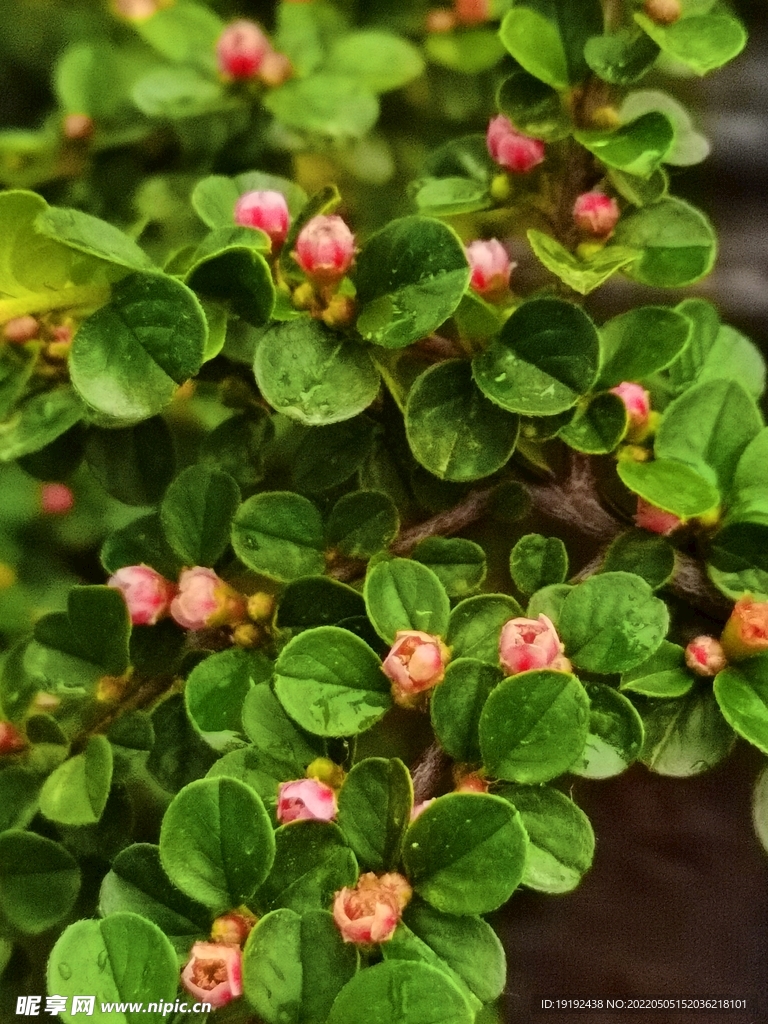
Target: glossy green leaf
598,425
404,594
401,992
317,601
362,524
238,445
312,375
533,107
621,58
327,456
446,197
640,191
703,42
141,541
179,93
275,736
470,52
646,555
410,277
19,788
689,146
179,754
216,842
583,275
612,622
135,464
330,682
465,853
670,485
739,553
379,60
185,33
548,39
374,810
459,564
717,352
637,148
279,534
677,243
312,862
457,704
228,267
686,736
640,342
216,690
326,104
39,881
475,625
549,601
664,674
76,792
92,236
741,692
197,513
615,736
537,561
452,428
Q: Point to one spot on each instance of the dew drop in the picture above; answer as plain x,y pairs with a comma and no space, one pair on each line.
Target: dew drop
101,960
65,971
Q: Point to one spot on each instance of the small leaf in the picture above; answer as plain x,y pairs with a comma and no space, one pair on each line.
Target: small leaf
640,342
475,626
457,704
598,425
664,674
615,736
671,486
621,58
403,992
689,146
312,862
76,792
537,561
317,601
470,52
677,243
636,551
216,690
92,236
228,267
279,534
135,464
197,513
702,42
534,108
637,148
379,60
581,275
459,564
741,692
362,523
326,104
686,736
39,881
404,594
374,810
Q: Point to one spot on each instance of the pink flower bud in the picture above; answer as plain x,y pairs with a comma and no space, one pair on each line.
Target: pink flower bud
267,210
648,517
705,656
472,12
527,644
596,214
233,928
135,10
325,249
21,329
746,631
275,69
56,499
418,809
214,973
371,911
305,800
78,126
416,662
241,49
510,149
147,593
491,268
439,20
637,402
205,600
663,12
11,740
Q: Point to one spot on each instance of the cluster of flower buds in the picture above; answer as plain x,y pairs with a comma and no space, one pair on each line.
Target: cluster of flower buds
526,644
596,214
200,599
264,209
245,53
491,269
372,910
415,663
510,148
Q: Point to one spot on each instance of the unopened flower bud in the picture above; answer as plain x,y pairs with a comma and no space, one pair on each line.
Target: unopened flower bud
472,12
372,910
264,209
135,10
214,973
339,312
241,49
325,249
78,127
305,800
637,402
596,214
746,631
21,329
233,928
705,656
491,268
147,593
11,740
415,663
663,12
247,634
325,770
418,809
509,148
648,517
471,783
440,19
56,499
203,599
527,644
261,606
275,69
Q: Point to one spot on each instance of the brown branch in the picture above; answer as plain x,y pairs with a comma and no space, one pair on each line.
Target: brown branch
428,771
575,501
691,583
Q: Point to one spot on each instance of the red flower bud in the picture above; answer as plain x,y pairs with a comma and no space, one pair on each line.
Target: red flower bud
21,329
746,631
637,402
416,662
491,268
510,149
205,600
371,911
78,126
147,593
663,12
472,12
266,210
705,656
325,249
241,49
596,214
11,740
214,973
305,800
56,499
656,520
526,644
471,783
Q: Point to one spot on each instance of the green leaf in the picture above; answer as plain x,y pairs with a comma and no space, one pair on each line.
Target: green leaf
459,564
642,341
39,881
612,622
215,692
717,352
739,558
306,31
237,446
325,104
295,966
457,704
134,464
465,853
583,275
537,561
708,427
561,843
216,842
185,33
636,551
95,628
404,594
475,626
137,883
128,357
39,421
330,682
141,541
362,524
312,375
640,191
663,675
76,792
742,694
534,725
180,93
678,244
214,197
615,736
453,430
92,236
379,60
760,808
197,513
470,52
401,992
621,58
179,754
598,426
228,267
317,601
17,363
686,736
406,945
549,39
279,534
534,108
121,959
446,197
374,810
637,148
410,277
312,862
702,42
545,358
689,146
274,735
19,788
671,486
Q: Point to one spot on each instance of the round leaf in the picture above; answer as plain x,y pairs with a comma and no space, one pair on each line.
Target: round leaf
312,862
639,342
279,534
377,59
663,675
639,552
76,792
598,427
703,42
537,562
533,107
197,513
39,881
362,523
637,148
326,104
678,244
457,704
475,626
459,564
404,594
670,485
741,692
686,736
216,690
317,601
760,808
374,810
615,736
401,992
